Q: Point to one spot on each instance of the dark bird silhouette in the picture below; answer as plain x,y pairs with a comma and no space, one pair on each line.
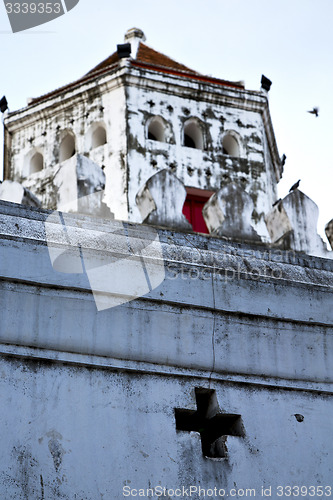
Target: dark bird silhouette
314,111
294,186
276,202
283,159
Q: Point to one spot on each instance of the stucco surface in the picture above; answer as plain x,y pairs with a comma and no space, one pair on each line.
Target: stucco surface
89,396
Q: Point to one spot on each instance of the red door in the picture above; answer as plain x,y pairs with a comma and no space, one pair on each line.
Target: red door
192,209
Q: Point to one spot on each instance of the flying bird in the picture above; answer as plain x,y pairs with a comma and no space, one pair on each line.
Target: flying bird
294,186
314,111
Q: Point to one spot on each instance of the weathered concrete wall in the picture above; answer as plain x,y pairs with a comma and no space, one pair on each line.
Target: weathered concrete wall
71,430
161,201
89,396
228,213
292,223
41,128
220,111
76,185
123,102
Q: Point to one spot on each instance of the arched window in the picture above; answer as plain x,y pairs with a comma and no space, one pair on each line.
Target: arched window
230,145
36,163
98,137
156,129
193,136
67,148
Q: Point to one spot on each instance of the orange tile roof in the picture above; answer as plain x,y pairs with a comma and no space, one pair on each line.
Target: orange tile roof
145,55
150,56
147,58
109,61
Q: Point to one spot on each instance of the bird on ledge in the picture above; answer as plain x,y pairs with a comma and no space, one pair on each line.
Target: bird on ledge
294,186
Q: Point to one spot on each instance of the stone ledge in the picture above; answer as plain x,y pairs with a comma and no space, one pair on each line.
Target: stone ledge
121,365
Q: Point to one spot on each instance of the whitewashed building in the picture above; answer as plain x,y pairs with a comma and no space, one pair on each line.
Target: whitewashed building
140,358
136,115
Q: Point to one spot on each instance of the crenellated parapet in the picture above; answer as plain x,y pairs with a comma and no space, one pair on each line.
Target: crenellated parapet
76,185
15,193
329,232
228,213
161,201
293,224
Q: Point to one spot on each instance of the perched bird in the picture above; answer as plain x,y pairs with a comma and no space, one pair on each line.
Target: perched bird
314,111
294,186
283,159
276,202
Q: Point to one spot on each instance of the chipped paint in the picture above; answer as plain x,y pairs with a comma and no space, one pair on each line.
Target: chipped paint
125,101
89,398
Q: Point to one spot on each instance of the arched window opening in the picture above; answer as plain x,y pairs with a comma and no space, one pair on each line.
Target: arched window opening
98,137
188,141
36,163
156,130
193,136
67,148
230,145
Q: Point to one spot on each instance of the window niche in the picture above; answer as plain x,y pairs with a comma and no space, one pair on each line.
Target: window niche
230,145
36,163
193,135
98,137
67,148
156,129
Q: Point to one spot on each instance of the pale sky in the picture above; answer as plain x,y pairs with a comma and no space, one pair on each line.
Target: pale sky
290,41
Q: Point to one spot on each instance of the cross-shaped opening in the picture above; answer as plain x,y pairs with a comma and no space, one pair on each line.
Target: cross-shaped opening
214,427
